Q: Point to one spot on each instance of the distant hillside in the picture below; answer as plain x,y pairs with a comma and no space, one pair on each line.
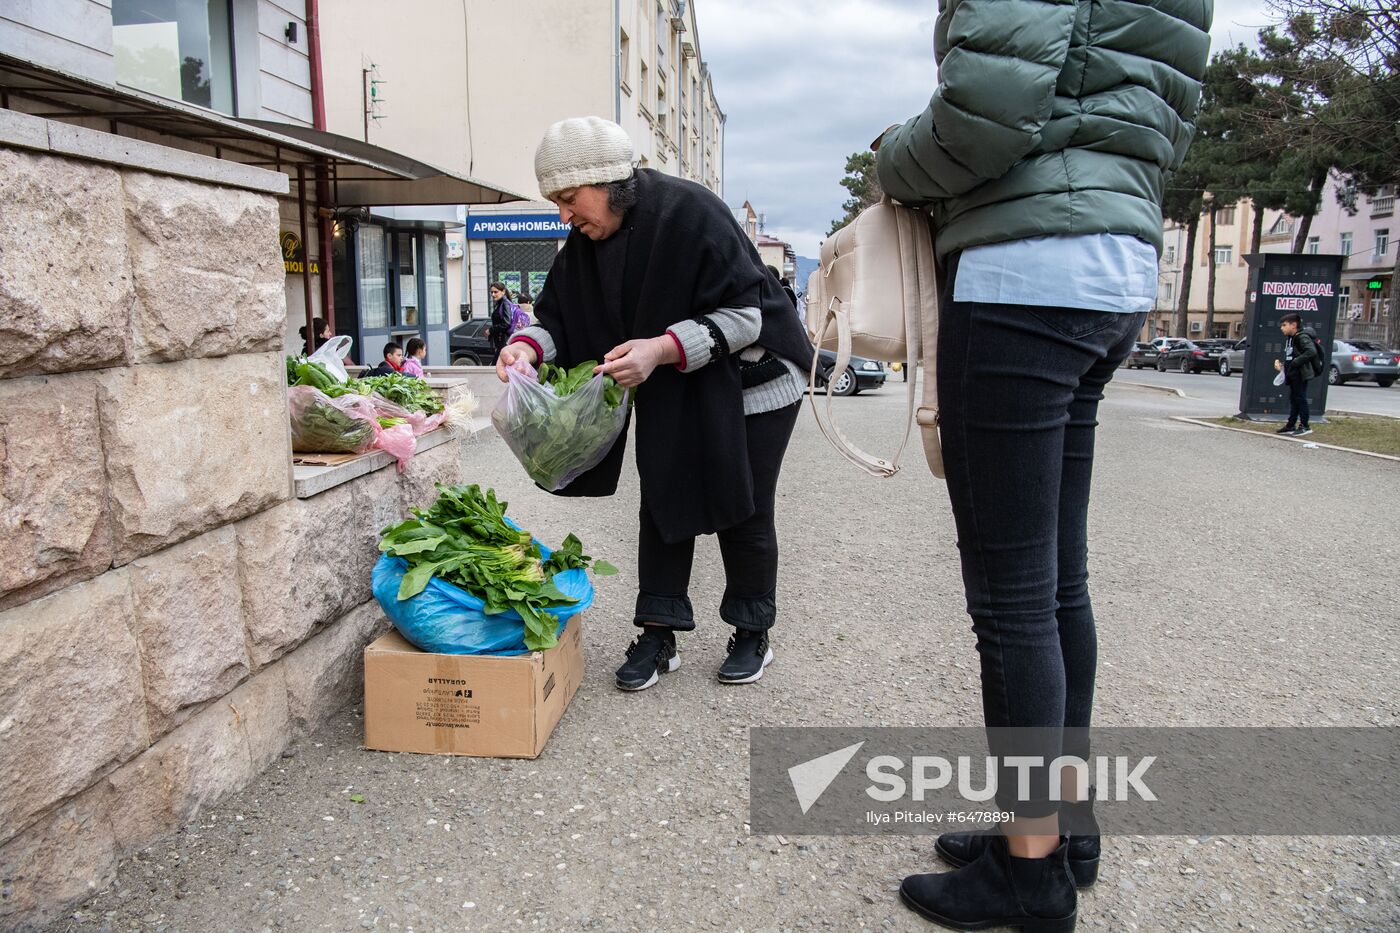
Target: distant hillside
805,267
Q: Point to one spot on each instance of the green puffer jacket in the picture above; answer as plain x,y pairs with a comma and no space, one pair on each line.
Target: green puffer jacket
1051,117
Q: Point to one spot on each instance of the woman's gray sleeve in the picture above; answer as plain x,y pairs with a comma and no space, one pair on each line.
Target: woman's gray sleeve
718,334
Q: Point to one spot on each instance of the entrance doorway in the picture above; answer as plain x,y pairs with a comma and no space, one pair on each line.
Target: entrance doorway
520,265
402,291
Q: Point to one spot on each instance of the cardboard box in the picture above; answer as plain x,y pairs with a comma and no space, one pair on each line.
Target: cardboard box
462,704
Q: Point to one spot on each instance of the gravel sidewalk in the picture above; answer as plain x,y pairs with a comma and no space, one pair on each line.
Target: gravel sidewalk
634,818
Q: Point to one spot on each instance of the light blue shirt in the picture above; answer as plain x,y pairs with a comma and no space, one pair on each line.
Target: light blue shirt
1094,271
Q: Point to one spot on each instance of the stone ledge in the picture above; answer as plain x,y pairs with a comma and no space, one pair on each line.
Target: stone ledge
29,132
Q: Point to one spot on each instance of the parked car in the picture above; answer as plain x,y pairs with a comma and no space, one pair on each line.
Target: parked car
467,346
861,375
1192,356
1143,356
1362,360
1232,360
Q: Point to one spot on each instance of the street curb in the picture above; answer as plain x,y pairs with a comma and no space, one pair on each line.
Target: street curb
1179,393
1359,414
1284,437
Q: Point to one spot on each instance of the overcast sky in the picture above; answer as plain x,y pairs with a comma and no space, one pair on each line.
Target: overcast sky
804,83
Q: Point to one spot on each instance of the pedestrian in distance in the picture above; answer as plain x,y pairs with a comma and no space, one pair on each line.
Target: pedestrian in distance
1041,157
392,362
657,282
415,352
321,329
1302,361
503,312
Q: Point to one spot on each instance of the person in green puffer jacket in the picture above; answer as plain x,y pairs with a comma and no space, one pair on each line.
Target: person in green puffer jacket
1041,159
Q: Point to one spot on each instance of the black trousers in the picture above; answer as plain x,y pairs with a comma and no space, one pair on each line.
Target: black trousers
749,549
1298,402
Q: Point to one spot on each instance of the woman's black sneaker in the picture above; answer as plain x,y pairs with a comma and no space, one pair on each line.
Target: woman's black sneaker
997,890
957,849
749,654
650,656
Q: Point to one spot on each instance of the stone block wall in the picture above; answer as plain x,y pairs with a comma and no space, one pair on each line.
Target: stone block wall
171,616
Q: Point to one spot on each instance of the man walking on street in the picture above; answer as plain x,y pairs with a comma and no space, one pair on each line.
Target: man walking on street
1302,360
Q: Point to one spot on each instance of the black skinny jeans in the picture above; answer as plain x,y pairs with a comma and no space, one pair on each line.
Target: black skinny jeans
749,549
1297,402
1019,388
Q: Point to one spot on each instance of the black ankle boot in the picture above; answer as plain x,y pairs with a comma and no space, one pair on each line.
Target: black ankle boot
998,889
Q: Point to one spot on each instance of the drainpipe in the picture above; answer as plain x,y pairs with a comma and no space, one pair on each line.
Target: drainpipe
324,224
617,61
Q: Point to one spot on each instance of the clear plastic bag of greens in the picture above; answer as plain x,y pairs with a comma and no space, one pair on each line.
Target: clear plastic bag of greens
560,423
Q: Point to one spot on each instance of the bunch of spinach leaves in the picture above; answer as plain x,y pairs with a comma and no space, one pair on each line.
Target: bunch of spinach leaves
464,539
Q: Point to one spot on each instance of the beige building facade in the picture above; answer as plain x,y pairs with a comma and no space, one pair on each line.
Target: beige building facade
1233,227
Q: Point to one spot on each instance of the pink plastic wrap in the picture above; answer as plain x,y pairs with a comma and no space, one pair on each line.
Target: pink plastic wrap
351,424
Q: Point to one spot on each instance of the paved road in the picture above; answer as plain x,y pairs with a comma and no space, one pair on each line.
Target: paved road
634,817
1221,394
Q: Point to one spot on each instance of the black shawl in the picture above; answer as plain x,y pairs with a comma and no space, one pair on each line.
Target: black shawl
678,255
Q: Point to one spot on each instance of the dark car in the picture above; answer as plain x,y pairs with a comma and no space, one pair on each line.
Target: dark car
1143,356
467,345
1193,356
862,374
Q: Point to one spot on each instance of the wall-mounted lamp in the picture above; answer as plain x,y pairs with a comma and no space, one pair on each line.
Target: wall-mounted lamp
291,32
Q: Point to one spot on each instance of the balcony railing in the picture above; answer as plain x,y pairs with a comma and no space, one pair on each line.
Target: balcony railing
1383,207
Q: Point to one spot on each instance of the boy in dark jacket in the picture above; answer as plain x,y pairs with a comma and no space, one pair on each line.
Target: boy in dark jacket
393,361
1302,360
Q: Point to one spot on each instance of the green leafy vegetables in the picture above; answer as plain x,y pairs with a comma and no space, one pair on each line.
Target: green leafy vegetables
465,540
407,392
562,426
568,381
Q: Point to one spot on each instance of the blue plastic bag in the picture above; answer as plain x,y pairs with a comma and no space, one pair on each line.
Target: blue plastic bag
446,619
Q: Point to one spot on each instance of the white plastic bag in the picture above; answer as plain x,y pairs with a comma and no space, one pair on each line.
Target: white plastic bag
1280,379
331,354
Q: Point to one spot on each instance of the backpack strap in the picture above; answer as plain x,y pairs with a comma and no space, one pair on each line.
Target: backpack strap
927,414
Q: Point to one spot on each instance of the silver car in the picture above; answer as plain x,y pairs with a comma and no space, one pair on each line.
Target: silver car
1362,361
1232,360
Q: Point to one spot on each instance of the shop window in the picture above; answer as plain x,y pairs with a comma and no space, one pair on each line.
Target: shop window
434,281
372,271
181,49
408,282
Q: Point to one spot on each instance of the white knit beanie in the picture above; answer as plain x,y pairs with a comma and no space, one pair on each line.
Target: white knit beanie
582,151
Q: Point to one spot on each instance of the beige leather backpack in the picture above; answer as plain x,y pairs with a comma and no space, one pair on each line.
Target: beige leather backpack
875,296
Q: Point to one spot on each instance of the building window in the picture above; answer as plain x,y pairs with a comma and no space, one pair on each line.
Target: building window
373,277
1282,226
1345,244
642,86
625,57
1168,291
180,49
1169,255
1225,216
1314,244
1224,255
1382,241
434,281
661,112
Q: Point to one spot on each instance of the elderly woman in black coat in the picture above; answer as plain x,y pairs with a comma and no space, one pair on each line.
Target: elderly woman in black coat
658,281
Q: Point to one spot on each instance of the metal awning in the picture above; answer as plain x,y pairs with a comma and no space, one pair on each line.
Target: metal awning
358,174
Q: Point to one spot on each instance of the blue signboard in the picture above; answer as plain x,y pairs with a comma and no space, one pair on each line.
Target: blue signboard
516,227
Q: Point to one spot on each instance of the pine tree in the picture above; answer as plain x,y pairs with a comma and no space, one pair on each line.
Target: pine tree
863,184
